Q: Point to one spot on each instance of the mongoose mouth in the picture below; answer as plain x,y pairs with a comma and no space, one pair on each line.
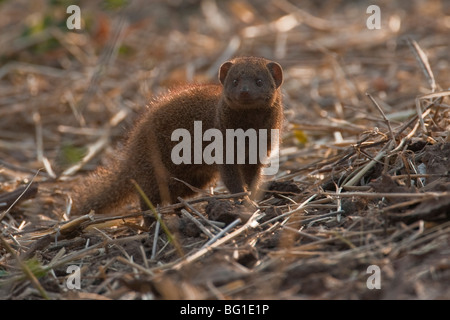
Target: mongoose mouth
247,102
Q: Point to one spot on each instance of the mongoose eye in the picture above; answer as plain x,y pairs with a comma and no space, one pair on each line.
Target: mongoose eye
235,82
259,83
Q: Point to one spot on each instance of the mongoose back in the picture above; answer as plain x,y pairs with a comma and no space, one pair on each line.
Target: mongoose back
248,97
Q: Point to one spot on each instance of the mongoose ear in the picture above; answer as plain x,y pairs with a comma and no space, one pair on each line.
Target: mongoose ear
224,70
277,72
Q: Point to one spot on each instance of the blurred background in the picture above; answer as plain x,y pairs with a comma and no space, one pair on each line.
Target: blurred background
68,96
60,88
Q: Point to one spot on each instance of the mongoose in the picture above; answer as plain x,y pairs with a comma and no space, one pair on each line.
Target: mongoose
249,97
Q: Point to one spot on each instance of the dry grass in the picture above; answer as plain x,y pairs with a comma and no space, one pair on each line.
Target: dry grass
364,176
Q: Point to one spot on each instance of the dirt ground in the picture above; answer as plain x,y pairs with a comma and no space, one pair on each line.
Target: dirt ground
360,208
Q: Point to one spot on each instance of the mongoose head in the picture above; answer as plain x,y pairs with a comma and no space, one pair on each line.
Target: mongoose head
250,82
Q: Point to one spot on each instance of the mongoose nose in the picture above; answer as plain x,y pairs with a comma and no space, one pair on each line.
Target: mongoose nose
245,89
244,92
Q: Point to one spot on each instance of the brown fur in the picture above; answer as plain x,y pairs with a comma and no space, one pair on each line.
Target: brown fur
146,157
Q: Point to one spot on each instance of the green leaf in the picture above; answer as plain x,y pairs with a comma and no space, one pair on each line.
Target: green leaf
71,154
36,268
114,4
